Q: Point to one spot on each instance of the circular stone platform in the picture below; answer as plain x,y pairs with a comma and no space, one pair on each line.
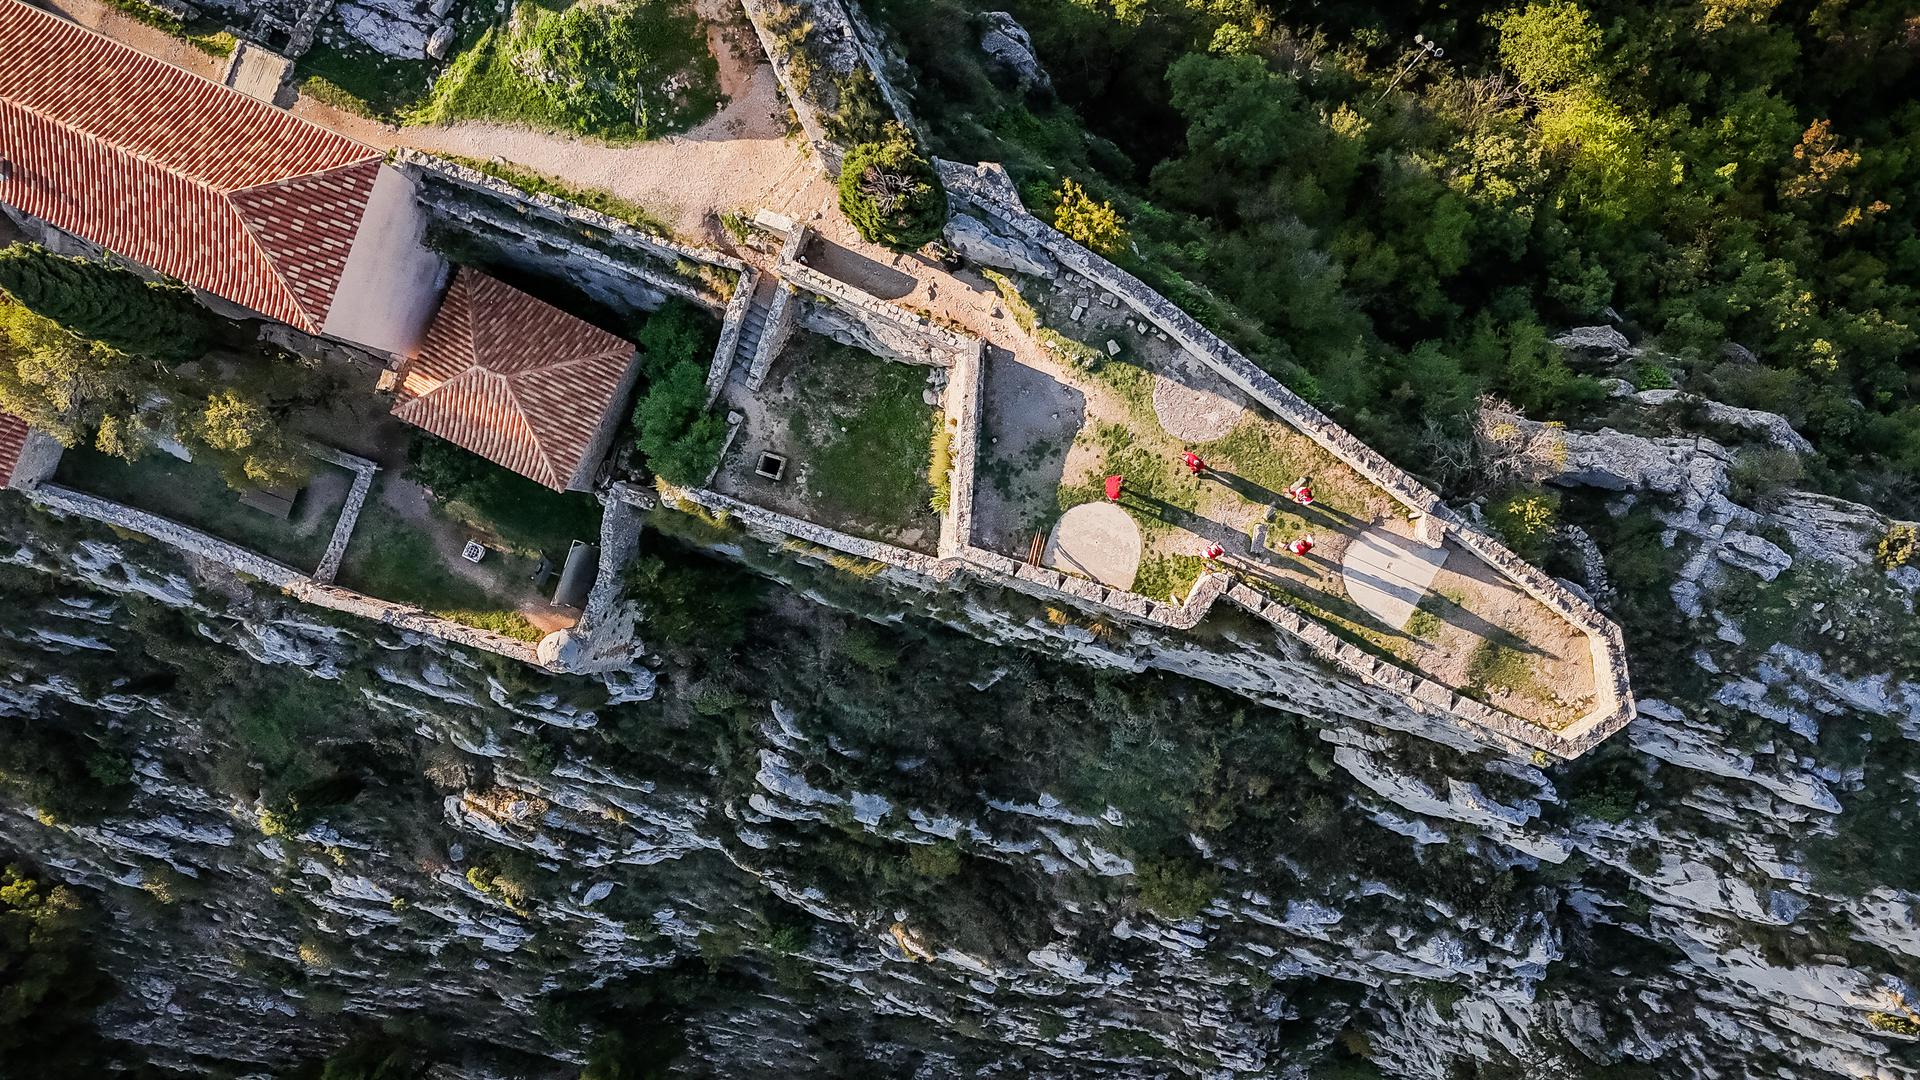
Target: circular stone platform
1192,412
1097,540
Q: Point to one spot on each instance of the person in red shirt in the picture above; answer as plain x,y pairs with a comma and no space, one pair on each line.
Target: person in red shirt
1193,462
1302,491
1214,551
1301,545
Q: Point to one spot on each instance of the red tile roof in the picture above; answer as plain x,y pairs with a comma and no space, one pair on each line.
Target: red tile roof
161,166
515,380
13,436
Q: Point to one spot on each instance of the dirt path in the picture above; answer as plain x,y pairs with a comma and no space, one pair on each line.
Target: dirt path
743,157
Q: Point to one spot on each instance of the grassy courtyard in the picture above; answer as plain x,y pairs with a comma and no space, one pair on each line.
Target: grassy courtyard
194,494
858,436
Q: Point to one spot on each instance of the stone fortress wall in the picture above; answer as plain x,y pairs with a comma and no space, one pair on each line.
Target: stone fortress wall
987,190
961,563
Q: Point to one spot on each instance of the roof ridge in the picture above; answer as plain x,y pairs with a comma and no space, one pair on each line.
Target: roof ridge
265,252
520,410
355,164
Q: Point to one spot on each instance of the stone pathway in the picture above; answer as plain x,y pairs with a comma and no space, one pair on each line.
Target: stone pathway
1387,574
1097,540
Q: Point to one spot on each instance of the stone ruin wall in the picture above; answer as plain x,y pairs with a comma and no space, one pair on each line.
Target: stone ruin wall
844,41
628,269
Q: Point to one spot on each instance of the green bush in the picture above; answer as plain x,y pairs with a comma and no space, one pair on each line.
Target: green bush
674,429
889,193
624,71
692,603
1175,888
107,303
1526,520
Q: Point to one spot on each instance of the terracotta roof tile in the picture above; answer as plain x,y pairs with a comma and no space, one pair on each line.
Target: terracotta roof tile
156,164
515,380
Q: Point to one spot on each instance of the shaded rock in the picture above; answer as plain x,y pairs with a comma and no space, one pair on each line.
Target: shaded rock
979,244
1010,50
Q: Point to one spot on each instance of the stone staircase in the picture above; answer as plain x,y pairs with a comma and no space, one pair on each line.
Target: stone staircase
753,327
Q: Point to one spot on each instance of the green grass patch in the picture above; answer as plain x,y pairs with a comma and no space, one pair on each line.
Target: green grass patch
392,560
874,455
1426,622
1162,576
625,210
621,72
1156,493
356,79
1499,663
517,513
940,468
194,494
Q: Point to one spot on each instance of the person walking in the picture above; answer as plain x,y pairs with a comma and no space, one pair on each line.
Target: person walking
1193,462
1214,551
1301,545
1302,491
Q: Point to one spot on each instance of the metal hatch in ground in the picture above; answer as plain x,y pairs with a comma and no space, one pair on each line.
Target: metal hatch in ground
576,578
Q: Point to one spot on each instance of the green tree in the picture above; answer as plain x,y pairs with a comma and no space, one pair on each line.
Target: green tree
255,452
1549,45
107,303
889,193
78,391
48,981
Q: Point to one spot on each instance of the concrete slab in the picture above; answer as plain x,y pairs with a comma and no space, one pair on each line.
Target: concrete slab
1387,574
1096,540
258,72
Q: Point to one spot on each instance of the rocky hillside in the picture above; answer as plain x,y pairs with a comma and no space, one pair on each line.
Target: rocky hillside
824,836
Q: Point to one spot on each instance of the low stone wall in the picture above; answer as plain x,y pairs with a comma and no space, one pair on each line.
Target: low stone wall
60,500
963,406
363,473
848,315
987,188
731,324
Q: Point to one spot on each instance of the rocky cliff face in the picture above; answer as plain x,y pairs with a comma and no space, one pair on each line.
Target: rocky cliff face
876,846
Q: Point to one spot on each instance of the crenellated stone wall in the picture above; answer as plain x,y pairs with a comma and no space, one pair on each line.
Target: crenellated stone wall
731,324
832,308
988,189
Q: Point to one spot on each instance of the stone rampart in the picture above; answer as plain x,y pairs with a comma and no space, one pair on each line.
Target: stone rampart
604,255
212,549
987,188
761,521
783,316
839,42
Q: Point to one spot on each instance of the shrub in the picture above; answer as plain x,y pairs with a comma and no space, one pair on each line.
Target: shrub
1758,476
680,438
889,193
1175,888
1094,225
1900,547
936,861
687,603
940,468
1894,1024
107,303
1526,521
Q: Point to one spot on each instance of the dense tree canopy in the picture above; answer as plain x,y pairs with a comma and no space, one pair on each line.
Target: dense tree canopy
1393,233
889,193
107,303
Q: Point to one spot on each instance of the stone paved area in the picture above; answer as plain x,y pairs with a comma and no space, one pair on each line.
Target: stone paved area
1096,540
1387,574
